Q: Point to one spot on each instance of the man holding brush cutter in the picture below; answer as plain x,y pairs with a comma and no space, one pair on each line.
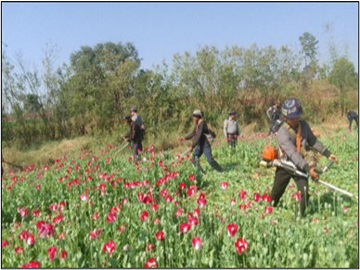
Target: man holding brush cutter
295,140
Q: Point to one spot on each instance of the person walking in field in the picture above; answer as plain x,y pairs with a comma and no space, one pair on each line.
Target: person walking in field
200,143
135,136
295,139
352,116
231,129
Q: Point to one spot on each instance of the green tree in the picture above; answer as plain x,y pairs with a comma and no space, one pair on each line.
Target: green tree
309,47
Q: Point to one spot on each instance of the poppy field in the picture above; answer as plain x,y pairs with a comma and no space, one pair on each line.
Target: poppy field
102,210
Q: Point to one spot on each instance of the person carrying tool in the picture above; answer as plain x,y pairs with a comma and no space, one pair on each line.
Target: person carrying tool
201,144
351,116
295,140
135,136
231,129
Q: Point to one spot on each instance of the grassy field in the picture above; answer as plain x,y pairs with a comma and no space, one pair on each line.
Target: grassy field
103,210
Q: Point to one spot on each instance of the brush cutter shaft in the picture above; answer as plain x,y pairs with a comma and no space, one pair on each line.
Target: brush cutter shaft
335,188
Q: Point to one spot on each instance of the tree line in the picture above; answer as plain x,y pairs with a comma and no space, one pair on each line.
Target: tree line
100,84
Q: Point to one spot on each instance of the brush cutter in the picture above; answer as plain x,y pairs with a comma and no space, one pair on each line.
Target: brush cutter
291,168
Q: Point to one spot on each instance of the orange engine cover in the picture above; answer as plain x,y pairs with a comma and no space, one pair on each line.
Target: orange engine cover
269,153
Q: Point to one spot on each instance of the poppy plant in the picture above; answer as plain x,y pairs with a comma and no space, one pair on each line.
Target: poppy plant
150,263
160,235
144,215
52,253
241,245
109,247
232,229
196,242
185,227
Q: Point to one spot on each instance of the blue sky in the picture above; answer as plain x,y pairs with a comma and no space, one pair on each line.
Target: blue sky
158,30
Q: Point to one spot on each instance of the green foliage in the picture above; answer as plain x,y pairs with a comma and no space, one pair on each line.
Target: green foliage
102,82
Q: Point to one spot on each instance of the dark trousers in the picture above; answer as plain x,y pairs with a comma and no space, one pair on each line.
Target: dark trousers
206,149
282,179
137,147
356,121
232,139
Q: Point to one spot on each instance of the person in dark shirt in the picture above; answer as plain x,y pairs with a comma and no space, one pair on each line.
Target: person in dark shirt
351,116
200,142
134,136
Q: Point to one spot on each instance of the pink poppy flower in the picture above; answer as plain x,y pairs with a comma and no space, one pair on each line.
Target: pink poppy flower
224,185
257,196
84,197
242,194
150,247
30,240
4,243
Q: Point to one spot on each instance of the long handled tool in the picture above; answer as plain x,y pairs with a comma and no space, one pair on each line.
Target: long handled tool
122,148
289,166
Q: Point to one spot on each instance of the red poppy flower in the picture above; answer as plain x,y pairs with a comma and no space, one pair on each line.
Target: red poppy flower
202,201
193,220
144,215
242,194
185,227
109,246
196,242
46,230
23,235
168,198
155,207
268,209
52,253
160,235
266,197
182,186
110,218
63,254
256,197
241,245
57,219
95,215
232,229
36,212
150,263
19,250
